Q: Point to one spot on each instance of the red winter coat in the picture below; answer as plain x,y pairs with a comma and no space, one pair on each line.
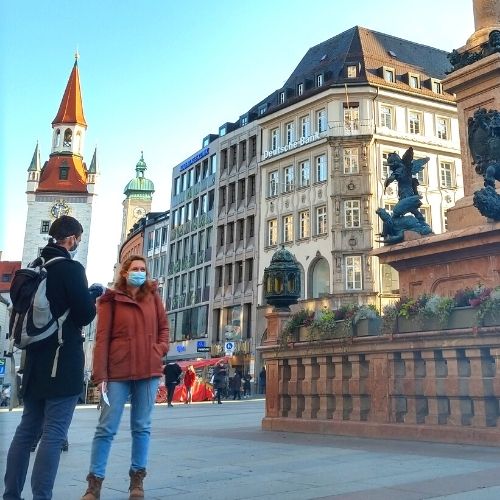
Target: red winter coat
189,377
132,337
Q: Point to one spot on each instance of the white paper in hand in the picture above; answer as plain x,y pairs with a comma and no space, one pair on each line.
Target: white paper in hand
105,398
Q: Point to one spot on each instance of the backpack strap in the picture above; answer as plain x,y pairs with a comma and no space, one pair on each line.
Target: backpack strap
60,322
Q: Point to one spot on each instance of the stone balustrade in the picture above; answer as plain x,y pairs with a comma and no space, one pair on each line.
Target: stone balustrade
437,386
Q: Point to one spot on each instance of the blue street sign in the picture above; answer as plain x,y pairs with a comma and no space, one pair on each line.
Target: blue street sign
2,366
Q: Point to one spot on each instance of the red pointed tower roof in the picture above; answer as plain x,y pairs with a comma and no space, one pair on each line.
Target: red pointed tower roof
71,108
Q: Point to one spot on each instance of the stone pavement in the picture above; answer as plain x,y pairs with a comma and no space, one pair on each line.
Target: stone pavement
205,451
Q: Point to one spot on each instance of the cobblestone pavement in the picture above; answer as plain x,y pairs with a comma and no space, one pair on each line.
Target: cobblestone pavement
205,451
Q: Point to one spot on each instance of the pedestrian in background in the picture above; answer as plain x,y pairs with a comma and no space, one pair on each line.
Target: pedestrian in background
247,390
219,380
172,373
262,381
131,340
236,385
49,401
189,378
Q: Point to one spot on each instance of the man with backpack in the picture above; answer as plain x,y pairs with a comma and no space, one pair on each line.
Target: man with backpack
53,369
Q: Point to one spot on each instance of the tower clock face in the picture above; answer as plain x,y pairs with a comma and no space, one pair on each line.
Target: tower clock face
139,212
59,208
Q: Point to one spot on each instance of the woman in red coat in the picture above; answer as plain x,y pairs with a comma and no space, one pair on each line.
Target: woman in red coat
131,341
189,378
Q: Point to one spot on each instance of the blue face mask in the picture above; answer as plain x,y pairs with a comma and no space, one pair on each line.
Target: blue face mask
136,278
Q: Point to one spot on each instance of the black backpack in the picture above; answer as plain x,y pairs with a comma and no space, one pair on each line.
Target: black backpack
31,319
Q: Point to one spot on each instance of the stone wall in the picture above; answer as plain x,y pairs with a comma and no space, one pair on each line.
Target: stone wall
435,386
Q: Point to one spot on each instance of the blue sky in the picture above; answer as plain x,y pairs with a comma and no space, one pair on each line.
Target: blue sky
158,76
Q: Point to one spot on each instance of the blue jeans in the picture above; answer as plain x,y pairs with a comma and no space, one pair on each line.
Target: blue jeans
53,416
143,396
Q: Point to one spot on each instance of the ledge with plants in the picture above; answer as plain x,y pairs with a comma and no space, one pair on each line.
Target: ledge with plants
468,308
342,323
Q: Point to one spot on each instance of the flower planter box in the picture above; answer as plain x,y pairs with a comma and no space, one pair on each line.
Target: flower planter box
491,319
463,317
367,327
418,325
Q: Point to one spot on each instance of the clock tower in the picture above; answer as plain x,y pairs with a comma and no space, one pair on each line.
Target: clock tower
64,185
138,197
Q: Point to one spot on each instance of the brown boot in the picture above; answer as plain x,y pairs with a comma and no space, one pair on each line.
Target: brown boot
94,490
136,487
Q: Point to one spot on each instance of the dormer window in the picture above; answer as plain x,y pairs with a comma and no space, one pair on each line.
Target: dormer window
352,71
300,89
413,81
389,74
205,142
68,137
319,80
281,98
63,173
244,120
222,131
262,109
436,86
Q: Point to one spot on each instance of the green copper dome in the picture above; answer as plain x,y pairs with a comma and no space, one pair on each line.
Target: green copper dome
140,187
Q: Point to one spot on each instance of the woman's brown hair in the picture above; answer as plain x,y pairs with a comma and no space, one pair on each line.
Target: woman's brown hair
121,282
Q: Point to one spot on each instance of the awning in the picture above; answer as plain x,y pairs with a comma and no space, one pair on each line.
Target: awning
201,363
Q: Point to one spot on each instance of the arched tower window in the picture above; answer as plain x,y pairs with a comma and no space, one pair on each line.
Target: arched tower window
57,138
68,137
319,278
78,142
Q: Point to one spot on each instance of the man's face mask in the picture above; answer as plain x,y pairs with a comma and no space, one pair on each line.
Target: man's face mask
72,251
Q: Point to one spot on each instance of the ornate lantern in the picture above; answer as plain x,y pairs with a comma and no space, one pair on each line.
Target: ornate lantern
282,280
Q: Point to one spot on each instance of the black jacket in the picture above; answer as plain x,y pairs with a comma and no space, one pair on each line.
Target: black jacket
172,373
67,287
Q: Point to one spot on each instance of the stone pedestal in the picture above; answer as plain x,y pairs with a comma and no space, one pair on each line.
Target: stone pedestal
475,86
444,263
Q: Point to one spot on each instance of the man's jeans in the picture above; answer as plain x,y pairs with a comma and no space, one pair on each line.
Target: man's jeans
143,396
54,415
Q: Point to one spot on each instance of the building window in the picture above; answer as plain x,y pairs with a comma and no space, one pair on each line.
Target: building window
68,138
389,75
253,146
385,168
386,116
415,122
414,81
319,80
321,120
45,226
305,173
287,229
352,71
288,178
321,220
351,118
251,180
304,224
304,126
282,98
321,170
446,174
289,133
443,127
351,161
352,213
300,89
273,183
251,226
63,173
275,134
436,86
354,278
426,212
272,232
243,150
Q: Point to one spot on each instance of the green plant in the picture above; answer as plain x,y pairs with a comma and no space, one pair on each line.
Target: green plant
366,312
303,317
438,307
489,304
389,318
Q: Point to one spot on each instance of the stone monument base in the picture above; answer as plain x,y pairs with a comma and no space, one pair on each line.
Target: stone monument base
445,263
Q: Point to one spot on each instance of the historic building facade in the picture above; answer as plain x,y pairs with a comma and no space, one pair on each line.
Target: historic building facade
325,137
64,185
